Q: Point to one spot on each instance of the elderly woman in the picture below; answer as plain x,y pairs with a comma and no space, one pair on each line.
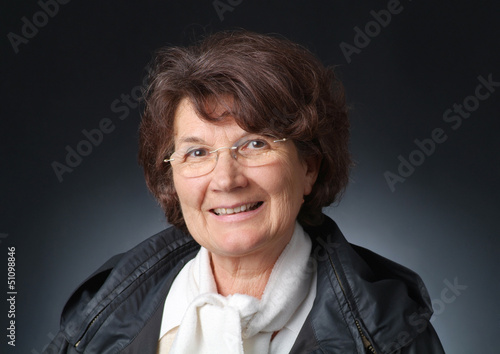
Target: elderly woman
243,140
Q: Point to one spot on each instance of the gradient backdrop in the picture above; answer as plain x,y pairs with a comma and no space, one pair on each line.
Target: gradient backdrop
430,72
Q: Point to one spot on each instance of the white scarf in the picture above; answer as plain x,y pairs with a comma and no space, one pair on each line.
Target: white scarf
239,323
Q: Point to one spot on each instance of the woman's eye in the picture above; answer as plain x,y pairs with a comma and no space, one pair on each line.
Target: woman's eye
196,153
256,144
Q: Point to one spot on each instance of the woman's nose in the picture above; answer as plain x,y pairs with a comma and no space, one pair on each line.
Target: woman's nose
228,173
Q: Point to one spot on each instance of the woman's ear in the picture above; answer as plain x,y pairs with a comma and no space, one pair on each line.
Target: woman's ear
312,165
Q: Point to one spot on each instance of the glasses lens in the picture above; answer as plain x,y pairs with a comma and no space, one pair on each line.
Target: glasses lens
194,163
257,151
197,169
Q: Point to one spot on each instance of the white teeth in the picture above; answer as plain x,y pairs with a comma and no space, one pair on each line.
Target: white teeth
239,209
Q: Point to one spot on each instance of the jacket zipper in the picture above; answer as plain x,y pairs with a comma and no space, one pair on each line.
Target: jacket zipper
368,346
87,329
365,340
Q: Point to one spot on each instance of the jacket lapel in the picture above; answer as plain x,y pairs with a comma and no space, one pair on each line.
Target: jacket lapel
329,327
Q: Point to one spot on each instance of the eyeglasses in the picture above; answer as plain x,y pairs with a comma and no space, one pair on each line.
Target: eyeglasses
197,161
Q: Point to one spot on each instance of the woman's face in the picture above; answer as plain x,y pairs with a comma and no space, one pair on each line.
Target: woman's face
276,188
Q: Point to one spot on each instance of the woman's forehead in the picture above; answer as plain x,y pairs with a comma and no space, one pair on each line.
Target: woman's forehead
190,127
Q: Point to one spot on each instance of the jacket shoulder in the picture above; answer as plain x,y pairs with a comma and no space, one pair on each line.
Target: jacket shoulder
120,275
380,300
88,288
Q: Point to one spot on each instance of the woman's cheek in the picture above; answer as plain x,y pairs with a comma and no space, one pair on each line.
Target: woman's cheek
190,192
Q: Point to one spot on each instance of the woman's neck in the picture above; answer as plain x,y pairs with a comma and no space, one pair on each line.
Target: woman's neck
245,275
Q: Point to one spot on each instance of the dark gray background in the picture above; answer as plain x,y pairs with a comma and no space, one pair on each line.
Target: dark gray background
441,221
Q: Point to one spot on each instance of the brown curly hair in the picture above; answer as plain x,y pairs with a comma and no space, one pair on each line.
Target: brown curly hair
277,87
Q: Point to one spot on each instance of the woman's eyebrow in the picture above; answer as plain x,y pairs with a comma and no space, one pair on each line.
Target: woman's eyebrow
197,140
191,139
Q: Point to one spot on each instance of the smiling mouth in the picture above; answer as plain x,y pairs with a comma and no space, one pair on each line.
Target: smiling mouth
240,209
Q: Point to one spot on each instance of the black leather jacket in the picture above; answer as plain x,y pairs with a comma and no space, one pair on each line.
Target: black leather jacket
364,302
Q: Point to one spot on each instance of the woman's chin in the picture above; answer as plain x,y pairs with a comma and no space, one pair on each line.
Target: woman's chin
238,244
